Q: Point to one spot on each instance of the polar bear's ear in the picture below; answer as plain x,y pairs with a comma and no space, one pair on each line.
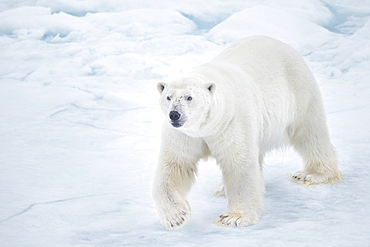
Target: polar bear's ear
211,87
161,86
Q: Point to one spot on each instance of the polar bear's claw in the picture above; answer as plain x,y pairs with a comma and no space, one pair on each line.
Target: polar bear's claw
175,217
312,179
235,219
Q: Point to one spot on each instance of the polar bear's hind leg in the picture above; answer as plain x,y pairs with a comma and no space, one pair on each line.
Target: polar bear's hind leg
311,140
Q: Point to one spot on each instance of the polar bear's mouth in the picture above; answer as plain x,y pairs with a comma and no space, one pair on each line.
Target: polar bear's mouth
176,124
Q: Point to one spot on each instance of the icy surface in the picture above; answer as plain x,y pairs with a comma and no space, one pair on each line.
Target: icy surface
80,123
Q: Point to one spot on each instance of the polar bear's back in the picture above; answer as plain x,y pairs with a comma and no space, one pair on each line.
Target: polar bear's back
265,59
275,68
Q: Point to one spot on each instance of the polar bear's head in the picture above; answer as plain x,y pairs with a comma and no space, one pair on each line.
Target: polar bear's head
186,102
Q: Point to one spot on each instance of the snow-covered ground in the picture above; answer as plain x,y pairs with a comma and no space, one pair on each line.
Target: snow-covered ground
80,124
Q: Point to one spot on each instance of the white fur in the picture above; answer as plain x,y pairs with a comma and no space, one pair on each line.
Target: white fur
258,94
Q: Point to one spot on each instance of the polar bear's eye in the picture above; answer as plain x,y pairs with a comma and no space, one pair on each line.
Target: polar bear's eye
189,98
168,98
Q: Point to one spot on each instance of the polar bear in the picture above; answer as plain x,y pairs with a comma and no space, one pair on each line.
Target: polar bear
257,95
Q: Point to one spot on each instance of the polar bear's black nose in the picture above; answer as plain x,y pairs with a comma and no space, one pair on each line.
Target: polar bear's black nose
174,115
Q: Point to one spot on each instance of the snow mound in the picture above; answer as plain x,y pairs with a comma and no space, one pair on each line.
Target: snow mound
363,32
263,20
143,22
39,23
311,10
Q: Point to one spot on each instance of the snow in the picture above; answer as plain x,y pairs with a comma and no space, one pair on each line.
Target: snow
257,21
80,123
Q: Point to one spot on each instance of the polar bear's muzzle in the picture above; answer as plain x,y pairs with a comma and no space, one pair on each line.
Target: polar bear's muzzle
176,119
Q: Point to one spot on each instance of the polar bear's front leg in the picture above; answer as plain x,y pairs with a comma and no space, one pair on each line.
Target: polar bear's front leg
175,174
244,188
170,187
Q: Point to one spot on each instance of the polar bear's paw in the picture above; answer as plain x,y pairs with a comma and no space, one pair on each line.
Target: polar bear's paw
312,179
175,215
236,219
